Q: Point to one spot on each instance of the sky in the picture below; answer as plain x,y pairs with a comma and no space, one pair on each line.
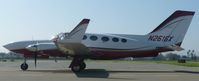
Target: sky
42,19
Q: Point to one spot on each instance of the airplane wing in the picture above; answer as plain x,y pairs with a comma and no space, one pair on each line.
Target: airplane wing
70,43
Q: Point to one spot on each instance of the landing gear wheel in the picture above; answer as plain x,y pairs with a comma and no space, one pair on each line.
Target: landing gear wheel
24,66
83,66
78,68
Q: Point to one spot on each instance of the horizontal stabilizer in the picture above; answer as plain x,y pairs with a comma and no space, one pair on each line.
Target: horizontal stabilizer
175,47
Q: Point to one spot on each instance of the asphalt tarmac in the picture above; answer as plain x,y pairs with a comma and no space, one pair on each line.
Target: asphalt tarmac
48,70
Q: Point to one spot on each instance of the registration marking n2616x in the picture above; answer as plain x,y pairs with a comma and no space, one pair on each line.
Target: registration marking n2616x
160,38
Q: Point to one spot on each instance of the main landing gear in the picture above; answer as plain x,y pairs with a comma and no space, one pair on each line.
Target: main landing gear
77,64
24,65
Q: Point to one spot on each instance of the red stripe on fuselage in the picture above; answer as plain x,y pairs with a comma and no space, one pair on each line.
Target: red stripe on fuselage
122,54
115,54
98,53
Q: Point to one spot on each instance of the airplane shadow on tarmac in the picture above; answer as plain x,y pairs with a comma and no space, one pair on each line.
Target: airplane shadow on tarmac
102,73
87,73
93,73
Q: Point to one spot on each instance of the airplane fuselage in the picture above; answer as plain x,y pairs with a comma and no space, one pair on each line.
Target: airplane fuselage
101,46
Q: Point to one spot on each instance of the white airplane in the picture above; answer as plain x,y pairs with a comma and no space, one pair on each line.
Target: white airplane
168,36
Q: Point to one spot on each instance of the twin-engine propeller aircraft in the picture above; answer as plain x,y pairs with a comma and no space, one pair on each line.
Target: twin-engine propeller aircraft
168,36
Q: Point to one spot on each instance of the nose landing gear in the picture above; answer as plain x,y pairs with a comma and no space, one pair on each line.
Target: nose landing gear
24,65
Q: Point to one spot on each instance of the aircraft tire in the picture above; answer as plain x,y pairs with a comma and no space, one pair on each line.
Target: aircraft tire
24,66
78,68
83,66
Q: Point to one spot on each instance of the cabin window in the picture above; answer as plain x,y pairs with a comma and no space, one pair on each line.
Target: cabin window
105,39
85,37
94,38
115,39
124,40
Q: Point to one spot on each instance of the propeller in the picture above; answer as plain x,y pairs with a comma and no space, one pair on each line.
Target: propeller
35,57
55,59
35,49
36,53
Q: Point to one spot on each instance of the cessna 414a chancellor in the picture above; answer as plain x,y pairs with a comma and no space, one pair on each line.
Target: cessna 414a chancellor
168,36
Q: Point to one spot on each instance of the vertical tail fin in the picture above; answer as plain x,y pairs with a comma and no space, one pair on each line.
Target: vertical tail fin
173,29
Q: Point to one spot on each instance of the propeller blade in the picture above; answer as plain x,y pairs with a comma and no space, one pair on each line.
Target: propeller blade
35,58
36,51
55,59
